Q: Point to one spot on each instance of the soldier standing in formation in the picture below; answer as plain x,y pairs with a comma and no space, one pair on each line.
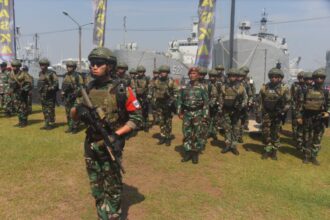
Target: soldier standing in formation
233,99
244,114
8,102
313,114
140,85
193,108
151,97
25,68
164,92
296,89
122,112
213,94
71,86
274,103
121,73
20,83
132,74
205,83
47,87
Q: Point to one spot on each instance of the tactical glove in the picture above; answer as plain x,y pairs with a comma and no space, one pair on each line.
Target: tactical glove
117,142
83,113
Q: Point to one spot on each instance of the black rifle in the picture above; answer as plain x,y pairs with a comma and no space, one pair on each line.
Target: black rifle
95,119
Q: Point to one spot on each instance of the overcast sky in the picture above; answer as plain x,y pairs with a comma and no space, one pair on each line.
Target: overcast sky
308,39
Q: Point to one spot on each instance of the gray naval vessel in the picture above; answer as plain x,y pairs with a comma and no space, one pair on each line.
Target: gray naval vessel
259,51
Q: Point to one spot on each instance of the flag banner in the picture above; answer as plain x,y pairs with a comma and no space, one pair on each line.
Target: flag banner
206,26
7,35
100,12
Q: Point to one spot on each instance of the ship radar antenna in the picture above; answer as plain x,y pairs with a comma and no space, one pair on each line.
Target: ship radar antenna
263,22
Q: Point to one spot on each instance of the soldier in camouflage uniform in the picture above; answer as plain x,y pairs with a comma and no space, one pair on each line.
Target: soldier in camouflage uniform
296,90
213,94
244,115
193,108
47,87
206,85
7,94
140,85
233,99
221,79
313,115
164,92
20,83
121,73
152,98
274,103
71,86
25,68
123,114
132,74
3,82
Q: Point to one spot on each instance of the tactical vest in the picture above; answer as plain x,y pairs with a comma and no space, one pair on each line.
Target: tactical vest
231,95
162,89
272,97
314,100
192,98
105,99
141,86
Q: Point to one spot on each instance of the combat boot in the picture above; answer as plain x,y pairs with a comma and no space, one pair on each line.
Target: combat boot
23,124
162,140
273,155
168,142
225,150
187,156
69,130
315,161
265,155
235,151
74,131
195,157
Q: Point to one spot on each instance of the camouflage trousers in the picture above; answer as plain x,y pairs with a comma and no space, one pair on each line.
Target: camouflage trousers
145,109
22,108
244,121
8,104
155,114
69,104
231,126
48,109
313,130
297,131
212,130
105,181
165,121
193,139
271,125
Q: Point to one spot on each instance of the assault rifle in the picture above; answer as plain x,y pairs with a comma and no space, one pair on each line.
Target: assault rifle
95,119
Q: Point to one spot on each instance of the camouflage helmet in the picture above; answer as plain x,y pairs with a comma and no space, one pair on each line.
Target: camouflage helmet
122,65
3,64
300,74
202,71
44,61
132,71
319,73
244,70
212,72
275,72
16,63
164,68
308,75
220,67
102,53
233,72
140,68
71,63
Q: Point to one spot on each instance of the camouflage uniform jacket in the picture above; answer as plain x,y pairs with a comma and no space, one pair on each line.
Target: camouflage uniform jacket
140,86
233,97
71,85
163,90
20,83
193,98
47,84
296,89
4,77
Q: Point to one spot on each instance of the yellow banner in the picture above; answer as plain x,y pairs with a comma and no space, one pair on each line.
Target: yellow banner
100,11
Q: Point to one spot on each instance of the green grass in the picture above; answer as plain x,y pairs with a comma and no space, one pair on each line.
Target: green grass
43,177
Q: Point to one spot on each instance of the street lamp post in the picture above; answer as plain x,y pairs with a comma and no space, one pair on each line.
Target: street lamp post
80,34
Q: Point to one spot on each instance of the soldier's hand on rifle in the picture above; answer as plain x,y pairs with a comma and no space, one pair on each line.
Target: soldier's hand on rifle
116,142
300,121
80,112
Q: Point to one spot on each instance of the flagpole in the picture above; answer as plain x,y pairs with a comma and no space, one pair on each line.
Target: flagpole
231,41
15,52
